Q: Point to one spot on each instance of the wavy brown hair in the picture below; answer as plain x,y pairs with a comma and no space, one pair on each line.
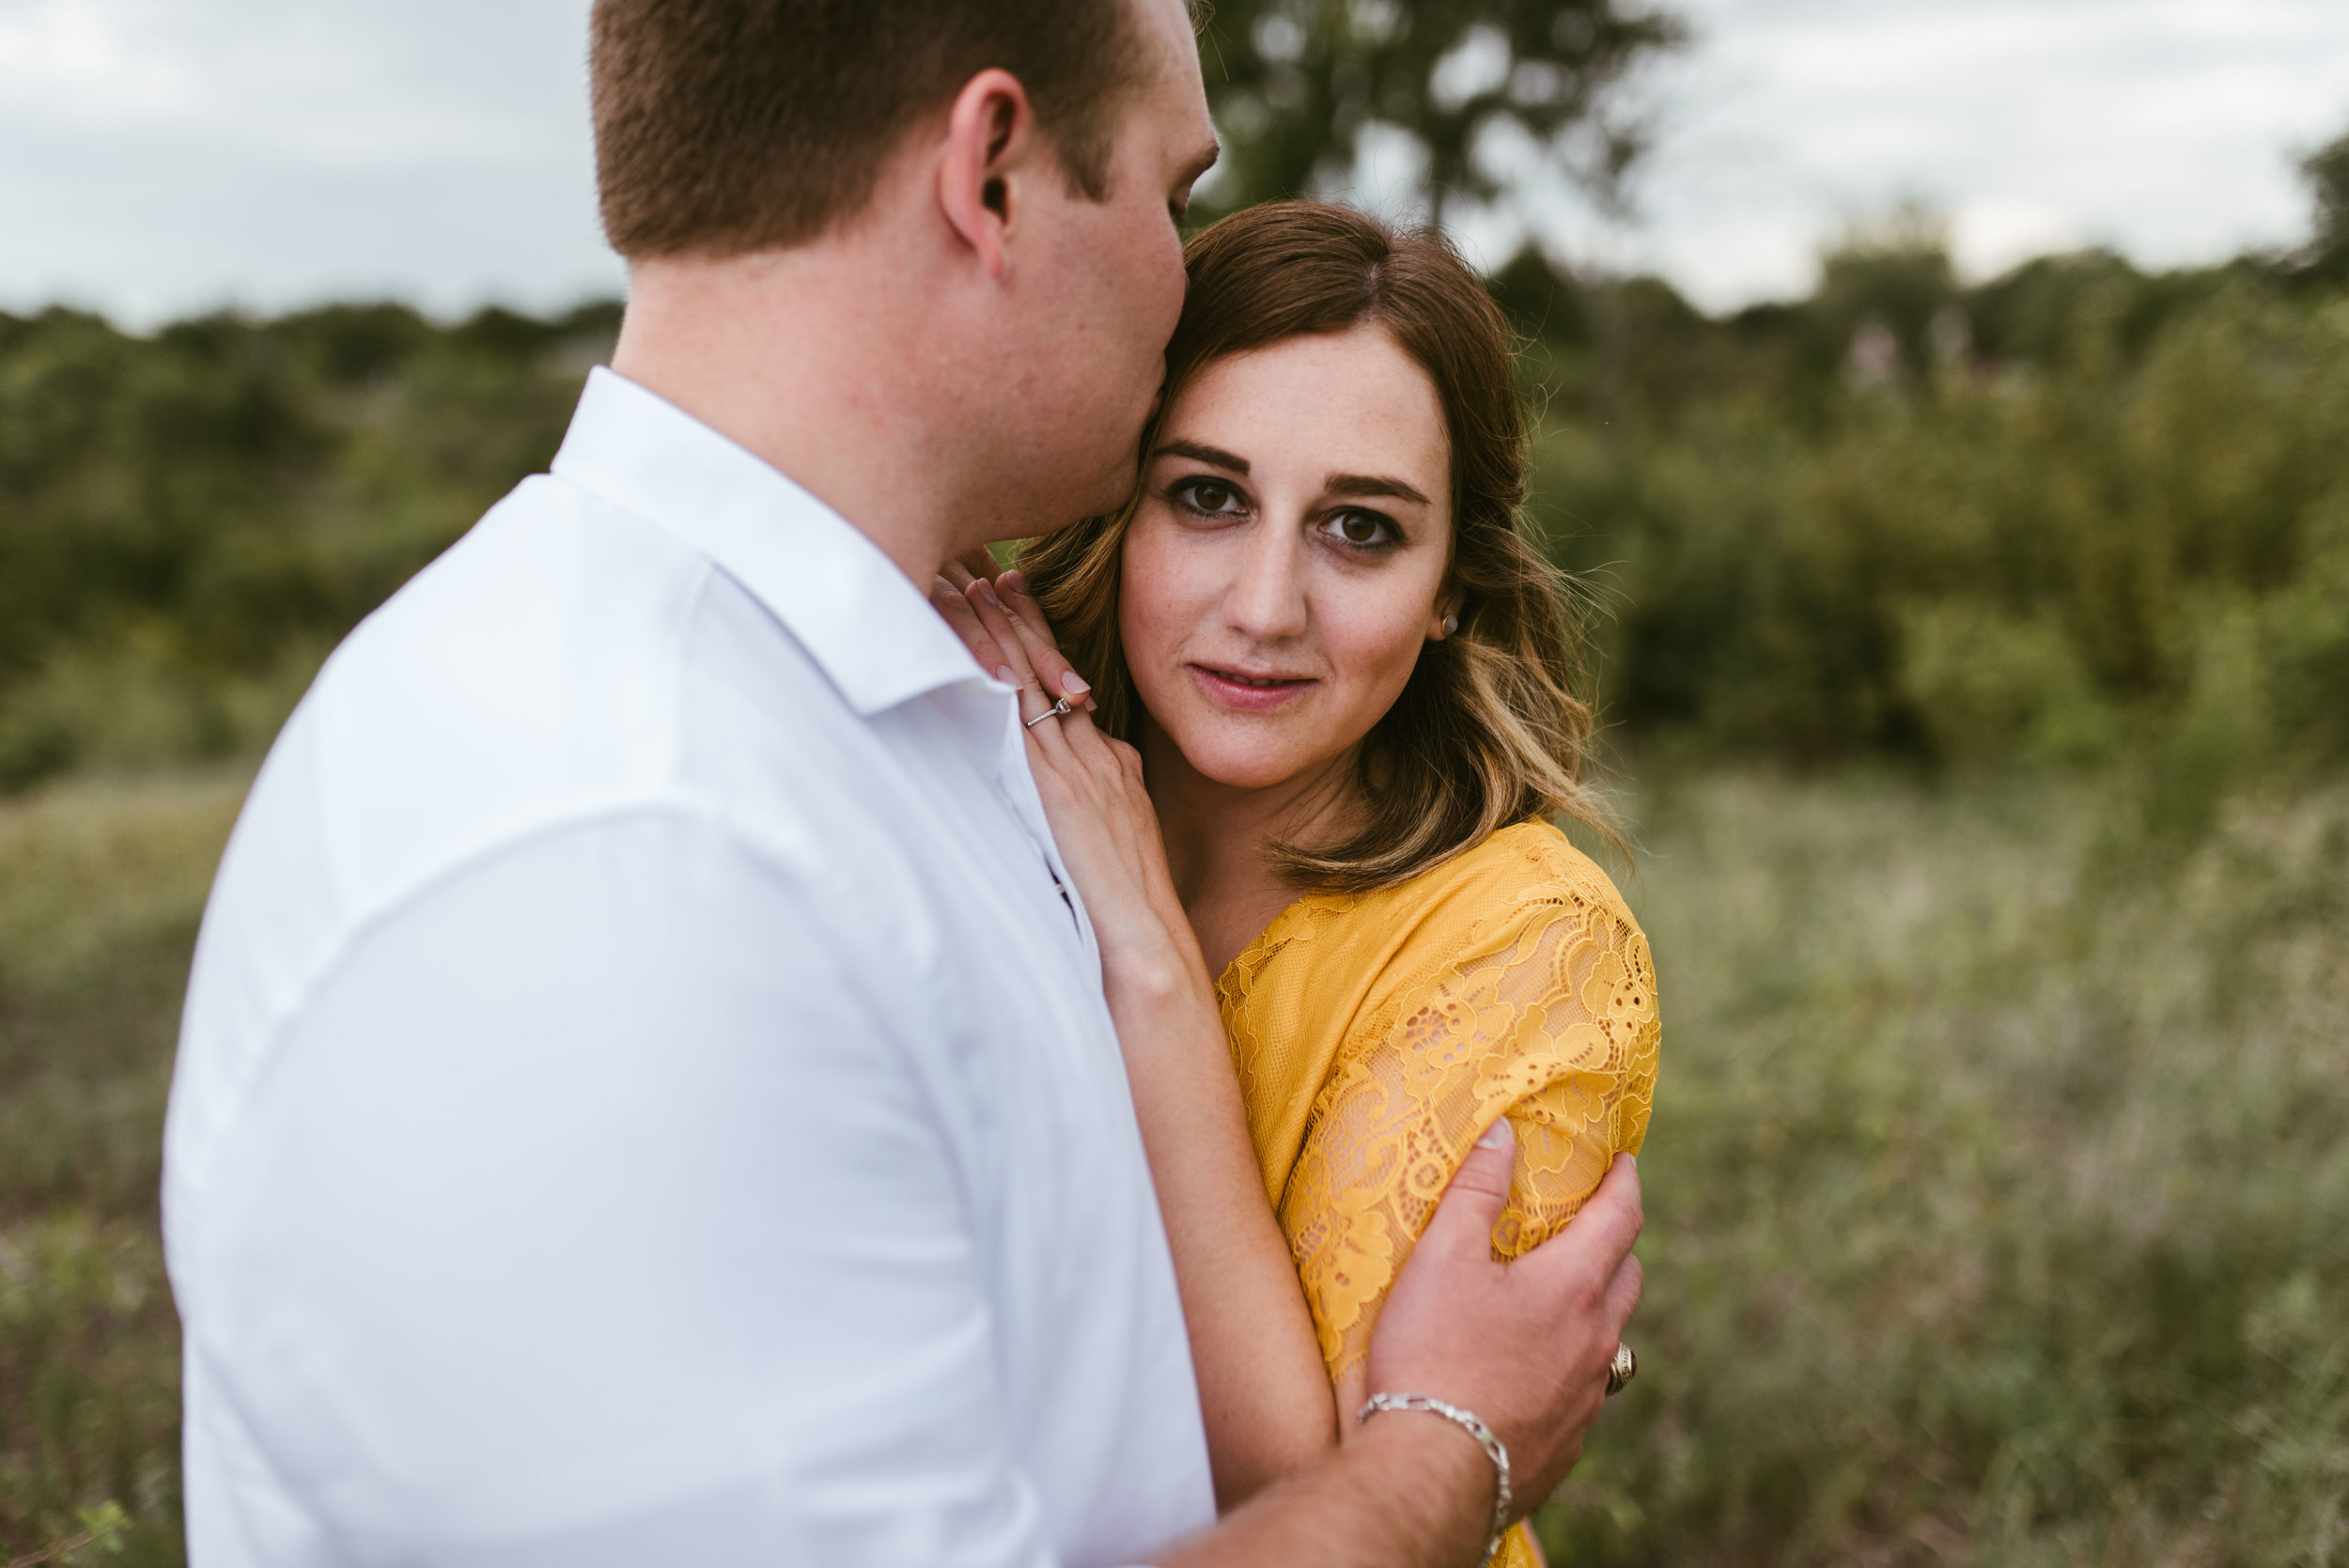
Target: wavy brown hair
1489,731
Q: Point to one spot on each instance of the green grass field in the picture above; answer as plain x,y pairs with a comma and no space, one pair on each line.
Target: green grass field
1998,1182
1999,1185
101,888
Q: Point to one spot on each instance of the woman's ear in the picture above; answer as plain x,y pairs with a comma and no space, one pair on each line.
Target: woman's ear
990,131
1444,620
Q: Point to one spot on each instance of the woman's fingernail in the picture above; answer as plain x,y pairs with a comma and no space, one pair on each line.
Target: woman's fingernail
986,592
1073,683
1498,1136
1003,673
1015,582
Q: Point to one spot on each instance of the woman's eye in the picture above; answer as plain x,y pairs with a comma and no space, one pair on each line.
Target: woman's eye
1208,496
1366,528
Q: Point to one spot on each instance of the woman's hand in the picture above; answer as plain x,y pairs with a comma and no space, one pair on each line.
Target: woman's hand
1090,784
1262,1384
953,596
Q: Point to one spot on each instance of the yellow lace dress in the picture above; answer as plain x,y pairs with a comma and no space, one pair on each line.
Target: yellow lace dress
1379,1035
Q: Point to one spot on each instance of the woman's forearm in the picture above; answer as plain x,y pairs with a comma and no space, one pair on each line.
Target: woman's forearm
1262,1384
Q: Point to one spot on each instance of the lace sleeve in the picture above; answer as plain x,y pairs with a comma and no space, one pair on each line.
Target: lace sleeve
1553,1021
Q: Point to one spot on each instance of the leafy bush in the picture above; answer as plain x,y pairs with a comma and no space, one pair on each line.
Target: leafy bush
1970,559
1982,681
188,522
2074,513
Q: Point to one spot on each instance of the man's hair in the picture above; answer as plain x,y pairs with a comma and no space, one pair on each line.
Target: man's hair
725,126
1490,730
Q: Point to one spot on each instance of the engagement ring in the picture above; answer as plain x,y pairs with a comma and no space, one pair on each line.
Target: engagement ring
1057,711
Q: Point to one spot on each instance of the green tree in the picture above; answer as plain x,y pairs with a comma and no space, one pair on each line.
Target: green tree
2327,170
1889,282
1295,82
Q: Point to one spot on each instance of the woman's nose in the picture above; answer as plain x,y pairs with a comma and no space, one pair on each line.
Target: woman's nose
1267,598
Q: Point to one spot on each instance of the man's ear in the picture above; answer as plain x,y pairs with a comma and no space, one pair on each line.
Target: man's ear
990,138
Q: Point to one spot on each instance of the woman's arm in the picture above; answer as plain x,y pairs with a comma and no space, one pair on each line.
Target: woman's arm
1551,1023
1262,1384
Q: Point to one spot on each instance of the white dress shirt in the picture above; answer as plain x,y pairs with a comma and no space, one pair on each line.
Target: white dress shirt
644,1095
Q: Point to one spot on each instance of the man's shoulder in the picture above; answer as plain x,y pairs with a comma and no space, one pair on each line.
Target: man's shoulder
540,626
563,661
521,667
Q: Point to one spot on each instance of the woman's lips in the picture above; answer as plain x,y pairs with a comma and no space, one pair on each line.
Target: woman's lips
1247,693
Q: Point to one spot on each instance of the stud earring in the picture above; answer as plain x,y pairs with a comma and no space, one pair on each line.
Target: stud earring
1451,625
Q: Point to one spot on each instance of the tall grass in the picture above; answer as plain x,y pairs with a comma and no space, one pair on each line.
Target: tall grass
1998,1184
101,889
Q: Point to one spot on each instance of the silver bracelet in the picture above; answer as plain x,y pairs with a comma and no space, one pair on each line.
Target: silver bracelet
1467,1421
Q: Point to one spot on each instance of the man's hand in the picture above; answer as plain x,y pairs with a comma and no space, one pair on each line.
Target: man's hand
1524,1344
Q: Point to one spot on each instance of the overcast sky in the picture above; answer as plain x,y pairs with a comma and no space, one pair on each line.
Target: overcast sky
164,156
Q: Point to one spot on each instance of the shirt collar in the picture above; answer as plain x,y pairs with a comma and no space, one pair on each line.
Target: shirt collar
874,635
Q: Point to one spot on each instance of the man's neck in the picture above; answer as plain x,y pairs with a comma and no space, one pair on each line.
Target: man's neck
801,358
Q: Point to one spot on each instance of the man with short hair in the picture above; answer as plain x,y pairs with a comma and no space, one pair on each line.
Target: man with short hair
645,1093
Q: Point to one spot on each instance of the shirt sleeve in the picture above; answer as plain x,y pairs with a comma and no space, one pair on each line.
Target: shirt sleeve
600,1207
1553,1022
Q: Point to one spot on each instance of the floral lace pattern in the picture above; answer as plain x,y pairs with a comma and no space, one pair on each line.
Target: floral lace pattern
1377,1037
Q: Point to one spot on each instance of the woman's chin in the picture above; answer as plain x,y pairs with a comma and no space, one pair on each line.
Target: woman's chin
1243,767
1238,752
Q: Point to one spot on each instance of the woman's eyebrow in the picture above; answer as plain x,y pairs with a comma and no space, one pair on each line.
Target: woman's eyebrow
1371,484
1214,456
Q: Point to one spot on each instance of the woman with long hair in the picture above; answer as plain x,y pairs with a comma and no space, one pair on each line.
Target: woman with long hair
1304,713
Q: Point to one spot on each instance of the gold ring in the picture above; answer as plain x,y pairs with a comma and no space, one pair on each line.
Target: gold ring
1622,1370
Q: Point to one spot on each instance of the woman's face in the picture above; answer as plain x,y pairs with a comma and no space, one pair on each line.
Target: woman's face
1284,567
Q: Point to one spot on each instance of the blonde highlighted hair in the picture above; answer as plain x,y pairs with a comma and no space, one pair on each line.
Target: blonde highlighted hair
1489,731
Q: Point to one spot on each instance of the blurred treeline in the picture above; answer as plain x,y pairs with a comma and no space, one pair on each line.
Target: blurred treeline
190,520
2068,515
2076,512
2072,513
